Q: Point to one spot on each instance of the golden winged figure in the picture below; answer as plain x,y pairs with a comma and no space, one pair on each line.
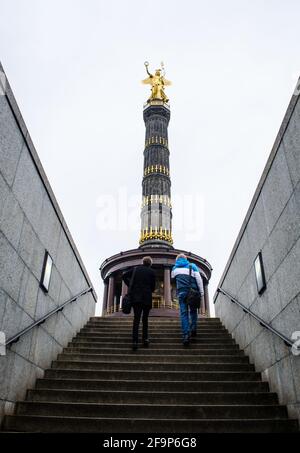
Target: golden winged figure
157,82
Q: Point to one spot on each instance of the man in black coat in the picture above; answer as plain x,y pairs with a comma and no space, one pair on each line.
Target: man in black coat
141,292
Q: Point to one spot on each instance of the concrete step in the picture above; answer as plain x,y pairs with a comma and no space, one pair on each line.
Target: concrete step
149,375
151,321
54,424
160,358
156,326
177,328
151,329
153,333
151,411
151,366
154,319
139,385
154,339
152,351
152,397
154,345
158,319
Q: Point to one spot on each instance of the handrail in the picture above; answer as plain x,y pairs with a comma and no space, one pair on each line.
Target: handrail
263,323
40,321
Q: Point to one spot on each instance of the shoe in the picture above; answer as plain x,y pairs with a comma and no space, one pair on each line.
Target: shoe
146,343
134,346
186,341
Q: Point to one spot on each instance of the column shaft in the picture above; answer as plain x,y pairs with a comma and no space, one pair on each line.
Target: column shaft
167,287
104,304
111,294
124,291
206,300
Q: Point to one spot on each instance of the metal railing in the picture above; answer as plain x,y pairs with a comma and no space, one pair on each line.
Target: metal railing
40,321
263,323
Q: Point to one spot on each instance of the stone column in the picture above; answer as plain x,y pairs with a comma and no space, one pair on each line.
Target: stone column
167,286
118,299
111,294
206,299
104,305
124,291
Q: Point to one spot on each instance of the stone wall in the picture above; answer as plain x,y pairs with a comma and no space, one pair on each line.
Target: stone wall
30,223
272,226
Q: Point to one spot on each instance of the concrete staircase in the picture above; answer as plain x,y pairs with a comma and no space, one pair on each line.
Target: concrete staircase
99,385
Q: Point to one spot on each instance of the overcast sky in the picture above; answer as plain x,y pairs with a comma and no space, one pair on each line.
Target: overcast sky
75,67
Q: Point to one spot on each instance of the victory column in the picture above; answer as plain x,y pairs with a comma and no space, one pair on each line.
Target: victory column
156,215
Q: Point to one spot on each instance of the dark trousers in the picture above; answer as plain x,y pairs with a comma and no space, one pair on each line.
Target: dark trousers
138,310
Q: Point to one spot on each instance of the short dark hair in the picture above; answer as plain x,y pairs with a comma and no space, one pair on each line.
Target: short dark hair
147,261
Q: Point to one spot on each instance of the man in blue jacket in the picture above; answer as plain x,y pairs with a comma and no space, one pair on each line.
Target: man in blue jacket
181,274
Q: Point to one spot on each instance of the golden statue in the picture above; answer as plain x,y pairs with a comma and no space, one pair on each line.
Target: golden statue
157,82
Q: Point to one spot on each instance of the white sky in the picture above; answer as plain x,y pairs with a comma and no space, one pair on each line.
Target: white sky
75,68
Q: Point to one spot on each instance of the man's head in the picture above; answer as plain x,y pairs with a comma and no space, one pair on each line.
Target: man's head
181,255
147,261
157,72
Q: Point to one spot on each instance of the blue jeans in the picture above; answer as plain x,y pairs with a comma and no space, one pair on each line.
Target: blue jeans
188,316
